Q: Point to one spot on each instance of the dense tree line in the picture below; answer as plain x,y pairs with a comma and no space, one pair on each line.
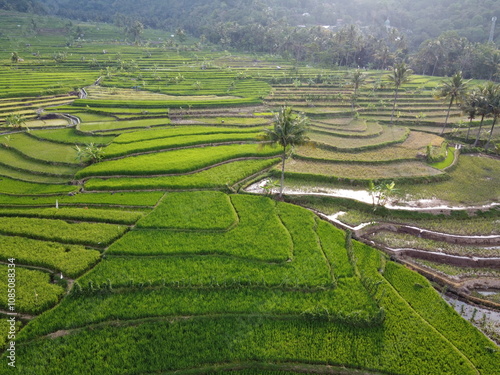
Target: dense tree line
420,20
437,37
22,5
351,46
450,53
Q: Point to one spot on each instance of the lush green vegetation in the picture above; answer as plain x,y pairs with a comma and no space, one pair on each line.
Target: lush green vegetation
34,290
17,187
70,136
115,150
12,159
434,310
256,338
178,274
447,161
219,177
149,106
449,28
112,126
29,177
199,281
83,233
5,330
71,260
88,117
237,121
259,336
458,188
304,268
176,131
99,199
194,271
41,150
174,162
196,210
424,308
28,83
242,241
454,187
201,301
78,214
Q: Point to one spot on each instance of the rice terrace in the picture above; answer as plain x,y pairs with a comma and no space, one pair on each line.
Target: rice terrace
157,218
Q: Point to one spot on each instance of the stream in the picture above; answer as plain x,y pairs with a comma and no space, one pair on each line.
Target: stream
364,196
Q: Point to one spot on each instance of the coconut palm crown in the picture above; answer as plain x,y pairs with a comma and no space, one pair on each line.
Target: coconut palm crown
493,97
400,74
356,79
454,90
288,130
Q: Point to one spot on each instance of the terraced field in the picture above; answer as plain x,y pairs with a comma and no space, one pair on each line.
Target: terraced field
347,141
150,258
227,281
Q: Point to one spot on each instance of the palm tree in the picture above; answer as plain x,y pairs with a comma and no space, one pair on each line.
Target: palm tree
356,79
455,89
483,109
400,74
15,57
493,96
381,192
383,55
469,107
437,51
135,30
181,34
90,153
16,121
289,129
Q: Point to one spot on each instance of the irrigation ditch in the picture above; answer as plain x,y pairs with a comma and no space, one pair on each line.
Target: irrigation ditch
460,289
462,294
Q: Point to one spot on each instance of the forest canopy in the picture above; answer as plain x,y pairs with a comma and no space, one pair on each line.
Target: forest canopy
420,20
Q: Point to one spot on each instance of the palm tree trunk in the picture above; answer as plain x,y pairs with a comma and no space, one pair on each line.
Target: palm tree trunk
282,182
394,104
491,132
353,99
435,65
447,116
468,130
479,131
